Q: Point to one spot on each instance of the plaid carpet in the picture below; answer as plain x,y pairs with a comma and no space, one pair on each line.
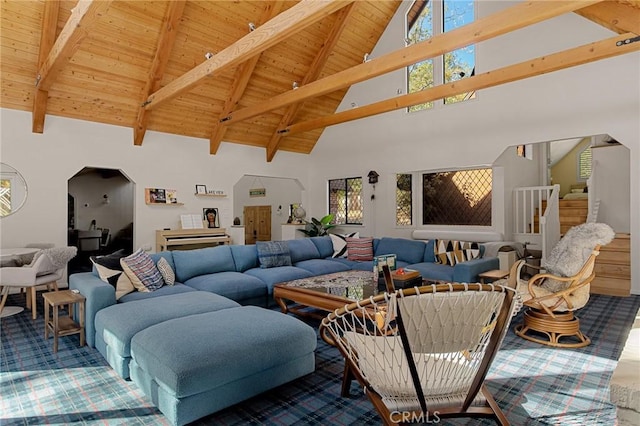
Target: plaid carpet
533,384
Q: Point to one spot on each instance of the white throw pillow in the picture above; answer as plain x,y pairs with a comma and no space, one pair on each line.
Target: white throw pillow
339,242
166,271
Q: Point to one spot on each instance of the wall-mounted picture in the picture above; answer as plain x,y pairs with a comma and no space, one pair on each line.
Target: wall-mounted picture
201,189
157,196
521,151
171,195
210,216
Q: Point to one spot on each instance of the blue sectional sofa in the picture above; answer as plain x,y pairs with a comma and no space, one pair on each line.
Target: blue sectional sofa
235,273
144,330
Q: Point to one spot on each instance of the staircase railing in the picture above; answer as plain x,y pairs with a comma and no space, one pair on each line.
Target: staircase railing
528,203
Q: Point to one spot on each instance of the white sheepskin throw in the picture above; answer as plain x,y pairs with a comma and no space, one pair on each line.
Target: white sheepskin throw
569,255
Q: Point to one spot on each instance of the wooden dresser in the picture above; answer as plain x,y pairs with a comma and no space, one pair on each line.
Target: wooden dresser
613,268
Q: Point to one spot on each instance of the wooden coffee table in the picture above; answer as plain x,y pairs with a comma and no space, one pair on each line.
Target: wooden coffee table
324,292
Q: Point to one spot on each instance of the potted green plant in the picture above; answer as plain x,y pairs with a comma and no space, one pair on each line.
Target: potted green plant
318,228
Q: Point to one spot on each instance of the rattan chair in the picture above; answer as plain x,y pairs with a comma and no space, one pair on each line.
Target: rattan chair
423,353
549,315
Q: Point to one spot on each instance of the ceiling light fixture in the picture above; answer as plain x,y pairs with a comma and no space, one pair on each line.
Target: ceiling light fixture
295,85
208,55
366,58
252,27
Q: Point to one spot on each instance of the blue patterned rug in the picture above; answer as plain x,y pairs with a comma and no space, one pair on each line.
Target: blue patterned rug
531,383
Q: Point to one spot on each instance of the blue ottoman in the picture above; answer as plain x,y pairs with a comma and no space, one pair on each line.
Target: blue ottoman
194,366
117,324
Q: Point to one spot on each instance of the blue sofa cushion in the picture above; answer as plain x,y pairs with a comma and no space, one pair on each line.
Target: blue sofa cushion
245,257
429,254
273,276
410,251
191,263
302,249
202,357
324,246
162,291
272,254
117,324
321,266
234,285
434,271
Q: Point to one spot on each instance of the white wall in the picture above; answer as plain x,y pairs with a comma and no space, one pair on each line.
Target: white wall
611,180
48,160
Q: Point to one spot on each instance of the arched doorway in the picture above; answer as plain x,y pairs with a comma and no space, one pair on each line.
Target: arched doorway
100,214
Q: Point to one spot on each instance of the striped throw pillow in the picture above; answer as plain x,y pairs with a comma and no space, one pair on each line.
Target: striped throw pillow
359,248
142,271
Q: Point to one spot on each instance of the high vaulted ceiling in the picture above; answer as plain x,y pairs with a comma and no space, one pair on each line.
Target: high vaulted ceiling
146,64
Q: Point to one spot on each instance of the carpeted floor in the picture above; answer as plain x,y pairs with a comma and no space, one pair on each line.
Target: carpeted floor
532,384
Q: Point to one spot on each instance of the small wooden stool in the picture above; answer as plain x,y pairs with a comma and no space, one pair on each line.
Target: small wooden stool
493,275
63,326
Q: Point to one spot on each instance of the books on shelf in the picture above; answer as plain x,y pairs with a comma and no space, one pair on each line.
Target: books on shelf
160,196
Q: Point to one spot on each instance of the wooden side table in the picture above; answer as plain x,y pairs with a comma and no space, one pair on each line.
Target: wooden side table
63,326
493,275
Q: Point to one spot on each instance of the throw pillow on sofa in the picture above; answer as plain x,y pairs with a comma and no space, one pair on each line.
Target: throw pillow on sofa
142,271
339,242
166,271
272,254
359,248
450,252
110,271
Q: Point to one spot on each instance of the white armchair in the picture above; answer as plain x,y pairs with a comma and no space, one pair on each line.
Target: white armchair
46,268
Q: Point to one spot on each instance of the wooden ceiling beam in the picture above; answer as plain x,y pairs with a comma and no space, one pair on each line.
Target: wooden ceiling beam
77,27
620,17
168,34
313,73
241,81
591,52
502,22
47,38
283,26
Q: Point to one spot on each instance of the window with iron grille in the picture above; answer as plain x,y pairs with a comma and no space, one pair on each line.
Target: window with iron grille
460,197
345,200
584,164
425,19
404,199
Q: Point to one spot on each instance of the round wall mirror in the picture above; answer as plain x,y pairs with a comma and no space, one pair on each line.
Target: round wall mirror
13,190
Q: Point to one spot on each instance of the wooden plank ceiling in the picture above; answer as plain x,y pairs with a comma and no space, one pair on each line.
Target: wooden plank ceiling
142,64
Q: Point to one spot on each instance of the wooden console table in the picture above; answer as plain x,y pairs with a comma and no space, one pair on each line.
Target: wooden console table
190,238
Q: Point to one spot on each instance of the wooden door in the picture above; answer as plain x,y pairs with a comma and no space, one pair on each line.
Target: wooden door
257,224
